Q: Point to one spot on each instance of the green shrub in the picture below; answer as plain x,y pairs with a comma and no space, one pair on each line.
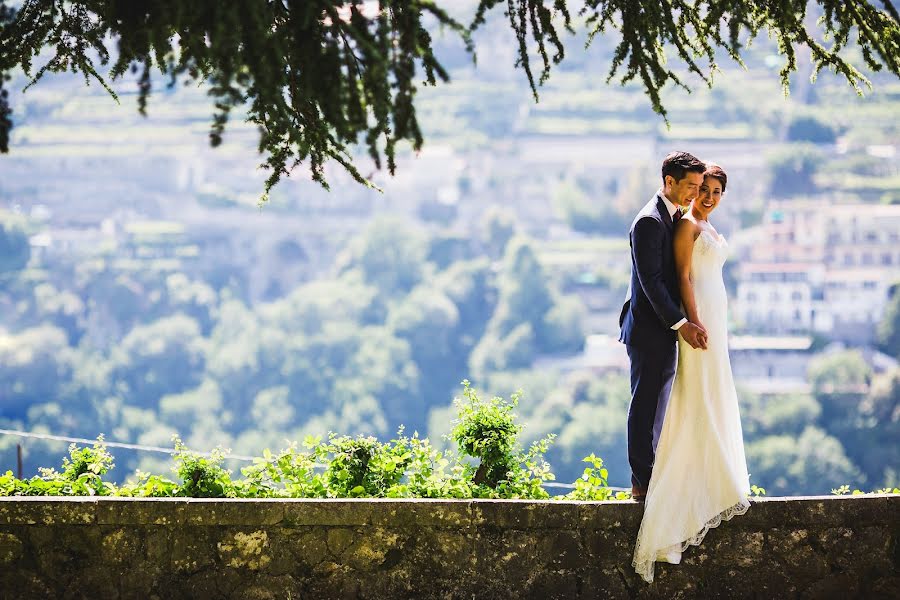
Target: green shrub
81,475
810,129
845,489
488,464
487,431
202,476
592,483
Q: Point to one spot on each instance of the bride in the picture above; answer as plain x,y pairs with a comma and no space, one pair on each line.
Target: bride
699,474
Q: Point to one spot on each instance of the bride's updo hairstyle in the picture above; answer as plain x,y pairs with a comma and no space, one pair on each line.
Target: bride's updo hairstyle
716,172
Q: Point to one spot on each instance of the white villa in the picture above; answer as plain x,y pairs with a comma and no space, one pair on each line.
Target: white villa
820,268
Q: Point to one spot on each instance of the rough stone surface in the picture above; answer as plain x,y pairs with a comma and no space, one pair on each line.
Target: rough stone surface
818,547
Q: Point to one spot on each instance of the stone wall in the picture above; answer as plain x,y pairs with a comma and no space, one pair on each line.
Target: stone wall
817,547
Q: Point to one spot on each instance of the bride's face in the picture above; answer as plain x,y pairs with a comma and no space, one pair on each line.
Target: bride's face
709,197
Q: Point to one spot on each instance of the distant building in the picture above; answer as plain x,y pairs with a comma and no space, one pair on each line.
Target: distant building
601,354
770,364
818,268
857,299
760,364
778,298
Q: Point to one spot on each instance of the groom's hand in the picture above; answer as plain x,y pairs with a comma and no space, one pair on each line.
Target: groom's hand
693,335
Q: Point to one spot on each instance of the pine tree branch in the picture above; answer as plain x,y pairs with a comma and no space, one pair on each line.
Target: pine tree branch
647,29
319,76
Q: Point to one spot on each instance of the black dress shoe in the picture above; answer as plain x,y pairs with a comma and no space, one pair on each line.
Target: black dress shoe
638,493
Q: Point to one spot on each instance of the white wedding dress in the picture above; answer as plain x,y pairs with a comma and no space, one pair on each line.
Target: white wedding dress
699,473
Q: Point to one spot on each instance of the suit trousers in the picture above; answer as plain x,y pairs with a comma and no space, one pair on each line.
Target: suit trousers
652,374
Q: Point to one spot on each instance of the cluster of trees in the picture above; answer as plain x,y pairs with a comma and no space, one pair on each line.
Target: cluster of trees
845,430
889,327
406,315
387,337
385,340
795,444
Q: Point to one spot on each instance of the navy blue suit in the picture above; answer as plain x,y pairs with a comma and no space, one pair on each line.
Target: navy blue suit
646,320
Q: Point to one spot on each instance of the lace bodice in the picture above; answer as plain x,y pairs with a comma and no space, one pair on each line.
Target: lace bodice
709,254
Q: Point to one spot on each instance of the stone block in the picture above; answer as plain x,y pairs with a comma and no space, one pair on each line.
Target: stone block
157,544
248,549
799,552
239,512
43,511
884,586
120,546
66,549
10,548
330,513
23,584
618,515
605,582
339,538
523,514
834,585
371,550
192,550
433,514
441,553
309,548
142,511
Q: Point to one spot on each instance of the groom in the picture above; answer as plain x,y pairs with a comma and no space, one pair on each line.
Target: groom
652,318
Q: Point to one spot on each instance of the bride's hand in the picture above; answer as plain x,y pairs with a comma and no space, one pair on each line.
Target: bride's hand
693,335
704,337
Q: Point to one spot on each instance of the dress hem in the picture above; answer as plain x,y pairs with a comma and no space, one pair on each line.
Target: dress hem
645,567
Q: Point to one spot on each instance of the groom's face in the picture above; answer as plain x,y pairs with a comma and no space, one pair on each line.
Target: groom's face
683,191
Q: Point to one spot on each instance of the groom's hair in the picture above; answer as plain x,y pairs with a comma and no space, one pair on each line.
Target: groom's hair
677,164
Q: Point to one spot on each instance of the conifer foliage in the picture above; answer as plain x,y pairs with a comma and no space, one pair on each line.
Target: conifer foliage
319,76
649,30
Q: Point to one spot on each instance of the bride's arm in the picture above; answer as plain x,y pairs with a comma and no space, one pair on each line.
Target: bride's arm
686,233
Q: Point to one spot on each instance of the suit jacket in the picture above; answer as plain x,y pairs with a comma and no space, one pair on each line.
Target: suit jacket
654,305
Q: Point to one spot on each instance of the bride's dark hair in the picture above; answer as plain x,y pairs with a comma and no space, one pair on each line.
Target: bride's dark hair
716,172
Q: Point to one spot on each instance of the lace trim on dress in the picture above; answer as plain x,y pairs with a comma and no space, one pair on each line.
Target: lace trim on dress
643,561
710,243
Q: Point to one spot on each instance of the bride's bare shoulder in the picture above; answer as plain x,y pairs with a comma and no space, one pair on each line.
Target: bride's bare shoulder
687,228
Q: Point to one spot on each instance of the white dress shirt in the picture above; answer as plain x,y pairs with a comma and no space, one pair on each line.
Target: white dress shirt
670,206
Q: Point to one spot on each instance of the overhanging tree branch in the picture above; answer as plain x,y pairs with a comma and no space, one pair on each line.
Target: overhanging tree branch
318,76
695,29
